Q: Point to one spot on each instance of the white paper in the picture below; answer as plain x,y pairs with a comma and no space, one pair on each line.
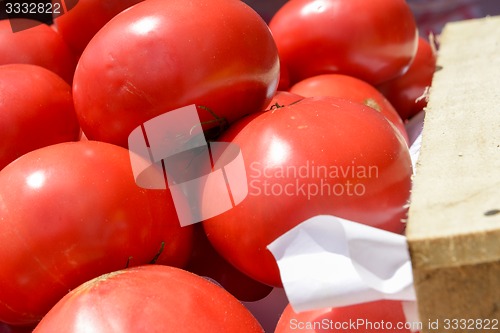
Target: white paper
414,129
414,126
327,261
415,152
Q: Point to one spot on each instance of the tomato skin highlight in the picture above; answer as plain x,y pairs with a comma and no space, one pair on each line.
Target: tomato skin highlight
312,134
169,299
70,212
406,92
349,87
36,110
226,60
373,40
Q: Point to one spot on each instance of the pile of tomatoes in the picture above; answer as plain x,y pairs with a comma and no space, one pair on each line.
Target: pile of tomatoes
316,101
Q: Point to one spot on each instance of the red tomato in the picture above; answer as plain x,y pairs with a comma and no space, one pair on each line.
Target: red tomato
205,261
40,46
36,110
83,21
344,86
406,92
318,156
284,82
161,55
150,299
70,212
373,40
380,316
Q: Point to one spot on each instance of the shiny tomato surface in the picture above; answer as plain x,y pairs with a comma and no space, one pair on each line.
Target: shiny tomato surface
153,299
349,87
320,155
407,92
39,45
71,212
36,110
85,18
373,40
162,55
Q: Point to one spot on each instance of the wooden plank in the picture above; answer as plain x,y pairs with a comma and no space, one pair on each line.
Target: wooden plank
454,219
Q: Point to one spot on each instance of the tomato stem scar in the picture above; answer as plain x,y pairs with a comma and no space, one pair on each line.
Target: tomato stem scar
221,121
160,251
277,105
128,261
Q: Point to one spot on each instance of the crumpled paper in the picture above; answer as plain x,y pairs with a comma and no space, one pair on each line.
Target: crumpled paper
327,261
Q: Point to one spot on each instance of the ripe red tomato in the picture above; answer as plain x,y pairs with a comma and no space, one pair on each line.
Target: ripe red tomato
373,40
205,261
78,25
344,86
40,45
318,156
284,82
161,55
379,316
36,110
70,212
406,92
149,299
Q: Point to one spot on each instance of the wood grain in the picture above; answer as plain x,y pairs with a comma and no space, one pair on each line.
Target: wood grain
454,219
